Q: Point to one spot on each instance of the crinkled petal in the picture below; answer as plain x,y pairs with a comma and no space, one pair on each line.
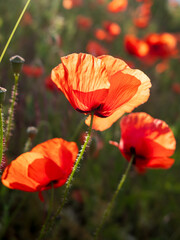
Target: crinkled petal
82,73
140,97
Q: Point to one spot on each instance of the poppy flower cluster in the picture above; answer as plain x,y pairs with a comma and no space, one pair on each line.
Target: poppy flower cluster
47,165
109,31
105,85
150,140
153,47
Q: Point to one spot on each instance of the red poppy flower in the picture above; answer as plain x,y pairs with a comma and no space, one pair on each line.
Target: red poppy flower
103,85
162,45
116,6
136,47
151,140
96,49
32,71
48,163
84,22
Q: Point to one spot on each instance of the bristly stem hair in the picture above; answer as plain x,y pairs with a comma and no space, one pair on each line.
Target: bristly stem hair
111,203
68,183
14,29
11,110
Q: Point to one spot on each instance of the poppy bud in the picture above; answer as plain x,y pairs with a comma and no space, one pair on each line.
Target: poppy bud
32,131
17,63
2,94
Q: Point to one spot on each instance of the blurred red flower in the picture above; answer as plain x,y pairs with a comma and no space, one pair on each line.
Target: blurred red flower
176,87
112,28
103,85
116,6
69,4
49,84
151,140
27,19
136,47
84,22
32,71
100,34
46,165
96,49
162,45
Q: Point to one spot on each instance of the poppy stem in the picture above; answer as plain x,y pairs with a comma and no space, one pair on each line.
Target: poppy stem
111,203
49,213
68,183
11,110
14,29
1,135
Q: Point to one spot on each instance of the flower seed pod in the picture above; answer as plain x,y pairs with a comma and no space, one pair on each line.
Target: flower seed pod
17,63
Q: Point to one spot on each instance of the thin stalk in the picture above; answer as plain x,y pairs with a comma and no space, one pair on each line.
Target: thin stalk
111,203
14,29
49,212
1,135
11,110
68,183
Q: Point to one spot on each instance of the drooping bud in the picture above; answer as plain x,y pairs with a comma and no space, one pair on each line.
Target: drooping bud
17,63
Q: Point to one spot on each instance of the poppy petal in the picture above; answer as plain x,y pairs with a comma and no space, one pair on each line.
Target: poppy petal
150,137
82,73
16,174
140,97
113,65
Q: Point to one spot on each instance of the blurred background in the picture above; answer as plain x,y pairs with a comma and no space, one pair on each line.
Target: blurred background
145,34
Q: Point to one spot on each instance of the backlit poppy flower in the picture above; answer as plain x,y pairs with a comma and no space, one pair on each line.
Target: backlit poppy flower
136,47
116,6
46,165
84,22
96,49
69,4
103,85
32,71
151,140
162,45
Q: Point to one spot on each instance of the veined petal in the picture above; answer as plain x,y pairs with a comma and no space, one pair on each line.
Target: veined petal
140,97
81,74
15,176
113,65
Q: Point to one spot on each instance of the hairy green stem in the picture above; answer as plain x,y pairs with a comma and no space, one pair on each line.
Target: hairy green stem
1,135
111,203
14,29
68,183
11,110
